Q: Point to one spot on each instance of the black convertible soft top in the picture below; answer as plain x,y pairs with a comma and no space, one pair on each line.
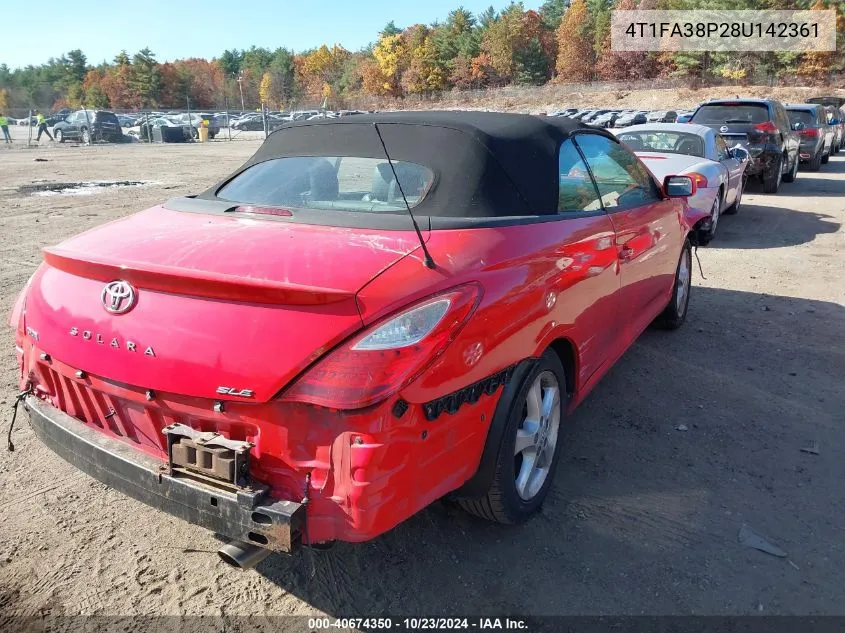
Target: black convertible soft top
486,164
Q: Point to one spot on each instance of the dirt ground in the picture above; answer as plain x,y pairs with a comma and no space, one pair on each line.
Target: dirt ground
643,518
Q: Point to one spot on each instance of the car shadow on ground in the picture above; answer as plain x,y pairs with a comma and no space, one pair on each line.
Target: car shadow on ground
765,226
809,183
691,435
815,183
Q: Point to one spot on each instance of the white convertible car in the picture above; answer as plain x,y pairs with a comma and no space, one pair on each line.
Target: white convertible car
699,152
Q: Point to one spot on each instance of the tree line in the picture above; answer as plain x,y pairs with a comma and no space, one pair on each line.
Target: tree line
564,41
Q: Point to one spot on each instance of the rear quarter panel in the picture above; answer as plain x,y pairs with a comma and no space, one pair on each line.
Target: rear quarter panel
541,282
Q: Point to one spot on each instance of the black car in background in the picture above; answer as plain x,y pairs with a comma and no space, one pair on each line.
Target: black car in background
89,125
817,137
631,118
662,116
763,127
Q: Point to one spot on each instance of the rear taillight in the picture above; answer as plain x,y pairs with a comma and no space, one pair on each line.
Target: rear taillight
389,355
699,179
17,320
809,132
767,127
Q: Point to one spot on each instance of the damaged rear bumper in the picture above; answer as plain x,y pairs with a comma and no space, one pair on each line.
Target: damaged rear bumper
246,515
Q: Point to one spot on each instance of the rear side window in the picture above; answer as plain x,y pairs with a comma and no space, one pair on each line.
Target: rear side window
732,113
576,191
345,183
622,180
806,117
106,117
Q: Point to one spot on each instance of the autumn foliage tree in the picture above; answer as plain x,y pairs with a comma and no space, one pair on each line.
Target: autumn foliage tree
575,48
815,66
563,40
615,66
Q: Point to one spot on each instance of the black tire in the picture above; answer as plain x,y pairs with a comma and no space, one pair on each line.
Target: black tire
793,173
705,236
816,162
826,158
60,137
502,502
675,313
771,181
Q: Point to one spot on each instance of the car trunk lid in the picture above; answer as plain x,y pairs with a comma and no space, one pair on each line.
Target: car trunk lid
737,122
664,164
226,306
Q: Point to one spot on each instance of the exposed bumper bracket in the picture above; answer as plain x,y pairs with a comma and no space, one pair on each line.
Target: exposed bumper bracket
248,515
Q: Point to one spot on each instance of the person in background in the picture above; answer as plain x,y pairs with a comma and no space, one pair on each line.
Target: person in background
4,125
42,126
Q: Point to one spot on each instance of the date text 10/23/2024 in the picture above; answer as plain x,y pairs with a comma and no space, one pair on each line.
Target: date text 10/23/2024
417,624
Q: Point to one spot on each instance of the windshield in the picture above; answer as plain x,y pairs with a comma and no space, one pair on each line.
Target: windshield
737,113
802,116
330,182
658,141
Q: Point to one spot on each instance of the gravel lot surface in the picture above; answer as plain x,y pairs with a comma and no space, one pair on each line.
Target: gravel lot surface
691,436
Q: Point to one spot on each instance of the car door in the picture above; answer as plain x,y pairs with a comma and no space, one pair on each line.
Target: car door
827,129
732,165
791,140
584,275
648,229
72,130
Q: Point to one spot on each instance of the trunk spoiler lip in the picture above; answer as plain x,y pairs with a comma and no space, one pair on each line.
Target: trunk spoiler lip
192,282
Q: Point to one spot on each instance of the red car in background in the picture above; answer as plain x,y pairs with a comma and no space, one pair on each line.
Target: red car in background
370,314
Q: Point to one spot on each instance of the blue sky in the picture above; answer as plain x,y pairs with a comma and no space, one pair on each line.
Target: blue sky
101,28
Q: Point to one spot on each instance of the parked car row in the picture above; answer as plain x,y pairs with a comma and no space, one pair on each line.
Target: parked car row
724,142
609,118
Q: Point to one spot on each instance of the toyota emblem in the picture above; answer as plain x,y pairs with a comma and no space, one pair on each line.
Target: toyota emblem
724,128
118,297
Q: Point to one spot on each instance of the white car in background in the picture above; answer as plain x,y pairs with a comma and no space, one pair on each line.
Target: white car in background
697,151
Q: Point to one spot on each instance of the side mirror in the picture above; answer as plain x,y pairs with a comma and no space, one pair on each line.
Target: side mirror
740,153
798,126
678,186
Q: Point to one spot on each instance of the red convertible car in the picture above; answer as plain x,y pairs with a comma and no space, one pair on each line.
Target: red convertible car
370,314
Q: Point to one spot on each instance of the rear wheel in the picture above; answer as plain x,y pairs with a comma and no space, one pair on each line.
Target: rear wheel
816,161
530,447
734,208
86,136
826,157
705,236
675,313
771,181
793,173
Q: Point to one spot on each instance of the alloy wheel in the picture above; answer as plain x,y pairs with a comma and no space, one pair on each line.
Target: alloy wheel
714,216
537,435
683,283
